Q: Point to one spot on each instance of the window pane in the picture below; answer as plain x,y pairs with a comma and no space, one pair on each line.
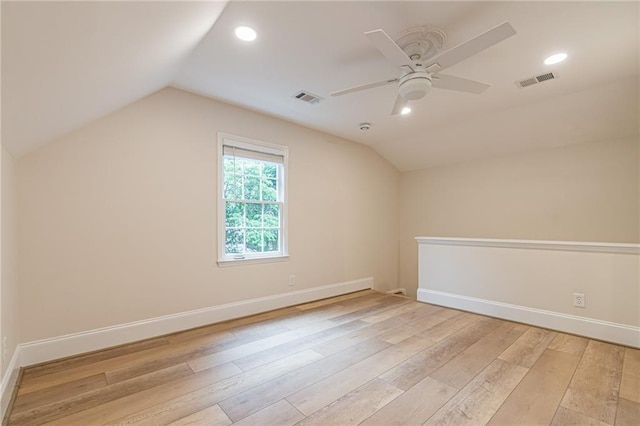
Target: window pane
254,240
252,167
251,187
269,170
271,215
254,215
234,241
269,190
234,214
232,178
271,240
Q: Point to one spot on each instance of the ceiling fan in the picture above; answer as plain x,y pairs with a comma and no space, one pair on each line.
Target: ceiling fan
419,74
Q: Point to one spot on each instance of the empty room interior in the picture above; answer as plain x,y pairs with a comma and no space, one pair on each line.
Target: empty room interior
320,213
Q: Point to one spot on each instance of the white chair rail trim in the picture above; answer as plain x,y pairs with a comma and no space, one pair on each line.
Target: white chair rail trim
596,247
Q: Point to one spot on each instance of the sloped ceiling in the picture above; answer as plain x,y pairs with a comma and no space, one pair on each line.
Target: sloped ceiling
65,64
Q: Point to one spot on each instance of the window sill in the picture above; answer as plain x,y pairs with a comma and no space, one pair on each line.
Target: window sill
223,263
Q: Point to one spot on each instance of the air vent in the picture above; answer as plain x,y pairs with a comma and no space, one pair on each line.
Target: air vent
527,82
307,97
545,77
535,80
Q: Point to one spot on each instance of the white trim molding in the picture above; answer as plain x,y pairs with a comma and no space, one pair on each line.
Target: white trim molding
620,248
597,329
92,340
9,380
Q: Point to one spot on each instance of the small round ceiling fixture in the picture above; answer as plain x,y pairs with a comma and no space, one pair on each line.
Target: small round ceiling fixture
246,33
554,59
365,126
405,111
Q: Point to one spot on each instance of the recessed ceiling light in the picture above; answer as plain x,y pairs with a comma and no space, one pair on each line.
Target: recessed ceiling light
554,59
246,33
405,111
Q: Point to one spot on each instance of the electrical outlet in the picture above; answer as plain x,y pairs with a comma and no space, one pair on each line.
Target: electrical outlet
292,280
579,300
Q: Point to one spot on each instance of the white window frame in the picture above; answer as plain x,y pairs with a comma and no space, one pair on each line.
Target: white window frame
267,148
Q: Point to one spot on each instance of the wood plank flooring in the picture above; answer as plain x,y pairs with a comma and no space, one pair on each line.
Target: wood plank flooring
363,358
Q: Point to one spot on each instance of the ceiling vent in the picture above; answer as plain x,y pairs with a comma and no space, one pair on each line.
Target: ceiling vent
307,97
535,80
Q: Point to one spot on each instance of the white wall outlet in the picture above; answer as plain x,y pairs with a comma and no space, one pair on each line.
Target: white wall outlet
292,280
579,300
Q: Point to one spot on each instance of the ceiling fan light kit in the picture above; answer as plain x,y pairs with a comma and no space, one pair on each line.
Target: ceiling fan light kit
420,63
414,86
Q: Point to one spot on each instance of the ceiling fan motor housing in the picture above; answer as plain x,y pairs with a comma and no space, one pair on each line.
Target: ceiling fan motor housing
415,85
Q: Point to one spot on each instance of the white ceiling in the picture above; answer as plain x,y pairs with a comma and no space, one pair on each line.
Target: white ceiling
67,63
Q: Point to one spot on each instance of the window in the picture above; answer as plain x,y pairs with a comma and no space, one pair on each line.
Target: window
252,210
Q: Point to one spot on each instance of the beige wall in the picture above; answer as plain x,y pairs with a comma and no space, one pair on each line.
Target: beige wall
8,290
118,219
585,192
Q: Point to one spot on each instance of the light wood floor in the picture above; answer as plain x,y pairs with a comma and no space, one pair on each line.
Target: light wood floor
364,358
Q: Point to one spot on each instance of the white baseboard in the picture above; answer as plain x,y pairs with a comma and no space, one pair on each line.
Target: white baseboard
9,380
589,327
92,340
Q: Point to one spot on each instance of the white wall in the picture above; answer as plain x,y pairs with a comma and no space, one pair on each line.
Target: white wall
118,219
533,282
8,279
584,192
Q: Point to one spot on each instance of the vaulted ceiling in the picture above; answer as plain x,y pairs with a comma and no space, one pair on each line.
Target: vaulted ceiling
67,63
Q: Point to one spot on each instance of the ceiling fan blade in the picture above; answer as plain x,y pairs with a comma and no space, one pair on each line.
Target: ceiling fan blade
389,48
364,87
399,105
470,47
451,82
